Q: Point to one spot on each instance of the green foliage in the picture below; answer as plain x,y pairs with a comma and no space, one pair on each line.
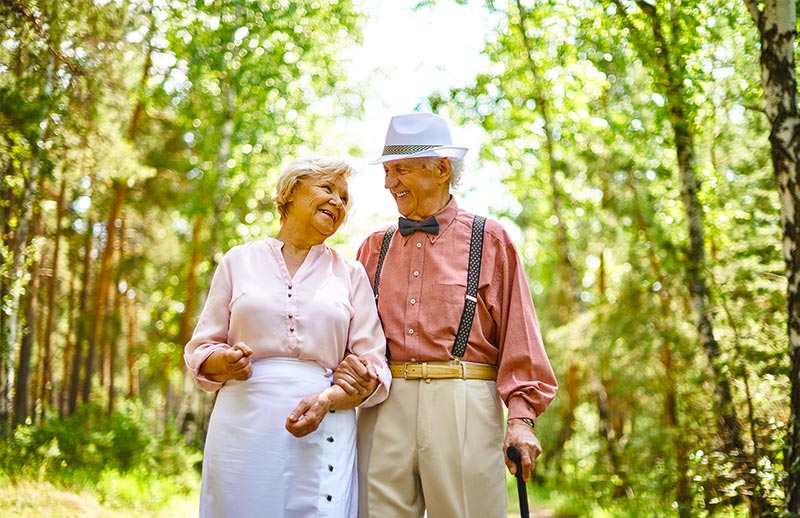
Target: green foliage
577,112
82,447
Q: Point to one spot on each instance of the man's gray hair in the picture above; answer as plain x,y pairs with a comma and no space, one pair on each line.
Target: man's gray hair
457,165
456,168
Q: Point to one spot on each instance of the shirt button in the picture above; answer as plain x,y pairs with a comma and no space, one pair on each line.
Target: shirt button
413,301
413,360
411,331
416,274
419,245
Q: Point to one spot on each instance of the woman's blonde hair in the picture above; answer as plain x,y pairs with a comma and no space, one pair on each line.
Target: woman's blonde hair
312,167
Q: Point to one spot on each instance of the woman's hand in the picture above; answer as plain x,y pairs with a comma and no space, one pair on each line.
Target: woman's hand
356,377
311,410
232,363
308,414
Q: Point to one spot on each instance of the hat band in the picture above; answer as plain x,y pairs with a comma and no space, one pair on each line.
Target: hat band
407,150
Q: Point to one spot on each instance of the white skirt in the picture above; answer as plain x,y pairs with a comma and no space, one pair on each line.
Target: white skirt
253,467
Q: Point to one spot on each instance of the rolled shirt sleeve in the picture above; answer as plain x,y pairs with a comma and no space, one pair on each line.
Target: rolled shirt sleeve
211,332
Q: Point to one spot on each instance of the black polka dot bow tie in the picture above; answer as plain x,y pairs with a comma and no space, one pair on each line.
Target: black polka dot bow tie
407,226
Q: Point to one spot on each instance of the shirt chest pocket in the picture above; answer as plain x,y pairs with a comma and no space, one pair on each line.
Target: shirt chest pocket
446,306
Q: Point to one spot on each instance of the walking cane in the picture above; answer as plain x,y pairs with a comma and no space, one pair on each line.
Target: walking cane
513,454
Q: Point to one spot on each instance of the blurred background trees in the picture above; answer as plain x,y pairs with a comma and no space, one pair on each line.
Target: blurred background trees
140,140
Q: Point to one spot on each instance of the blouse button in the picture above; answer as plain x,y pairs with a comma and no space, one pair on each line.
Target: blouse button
330,468
328,498
329,439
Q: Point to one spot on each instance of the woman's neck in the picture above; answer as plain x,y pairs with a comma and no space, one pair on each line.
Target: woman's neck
294,250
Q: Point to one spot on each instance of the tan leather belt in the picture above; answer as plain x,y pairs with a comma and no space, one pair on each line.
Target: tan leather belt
443,370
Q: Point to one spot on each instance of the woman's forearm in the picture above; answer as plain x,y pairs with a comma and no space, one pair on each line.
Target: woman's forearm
341,400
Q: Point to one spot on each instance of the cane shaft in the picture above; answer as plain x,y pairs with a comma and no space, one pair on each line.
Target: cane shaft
522,490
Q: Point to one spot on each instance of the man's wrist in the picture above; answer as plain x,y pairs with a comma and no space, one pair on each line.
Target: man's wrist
527,420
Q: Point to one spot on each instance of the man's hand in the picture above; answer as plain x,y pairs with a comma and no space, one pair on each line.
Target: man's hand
521,435
355,377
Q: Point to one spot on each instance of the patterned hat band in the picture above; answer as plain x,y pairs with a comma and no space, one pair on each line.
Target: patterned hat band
407,150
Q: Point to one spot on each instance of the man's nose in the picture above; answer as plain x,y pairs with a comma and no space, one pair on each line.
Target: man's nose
389,180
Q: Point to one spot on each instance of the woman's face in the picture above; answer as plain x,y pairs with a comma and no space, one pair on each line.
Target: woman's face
319,205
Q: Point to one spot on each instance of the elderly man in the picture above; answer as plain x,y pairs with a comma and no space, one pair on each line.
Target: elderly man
462,336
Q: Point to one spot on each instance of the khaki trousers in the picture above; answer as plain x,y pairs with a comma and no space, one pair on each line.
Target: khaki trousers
434,445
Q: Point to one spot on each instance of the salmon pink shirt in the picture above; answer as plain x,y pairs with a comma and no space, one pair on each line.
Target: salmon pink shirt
324,310
421,296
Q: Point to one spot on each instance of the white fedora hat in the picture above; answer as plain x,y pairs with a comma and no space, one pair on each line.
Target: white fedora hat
416,135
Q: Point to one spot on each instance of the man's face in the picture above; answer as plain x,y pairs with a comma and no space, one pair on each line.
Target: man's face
416,187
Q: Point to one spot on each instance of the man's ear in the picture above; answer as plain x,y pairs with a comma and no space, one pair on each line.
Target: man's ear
444,170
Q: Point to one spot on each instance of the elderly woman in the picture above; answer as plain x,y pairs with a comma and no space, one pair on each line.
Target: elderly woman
281,314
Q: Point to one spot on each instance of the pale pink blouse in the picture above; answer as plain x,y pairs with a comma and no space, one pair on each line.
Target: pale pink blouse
325,309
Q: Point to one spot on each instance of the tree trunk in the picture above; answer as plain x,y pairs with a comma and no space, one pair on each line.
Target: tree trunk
21,393
133,374
115,324
46,395
69,349
101,290
777,27
82,324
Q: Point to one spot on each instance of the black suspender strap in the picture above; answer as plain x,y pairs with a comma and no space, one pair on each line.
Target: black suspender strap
387,238
473,276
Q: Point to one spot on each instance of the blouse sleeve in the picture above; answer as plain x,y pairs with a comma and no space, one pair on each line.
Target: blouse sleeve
366,337
211,332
